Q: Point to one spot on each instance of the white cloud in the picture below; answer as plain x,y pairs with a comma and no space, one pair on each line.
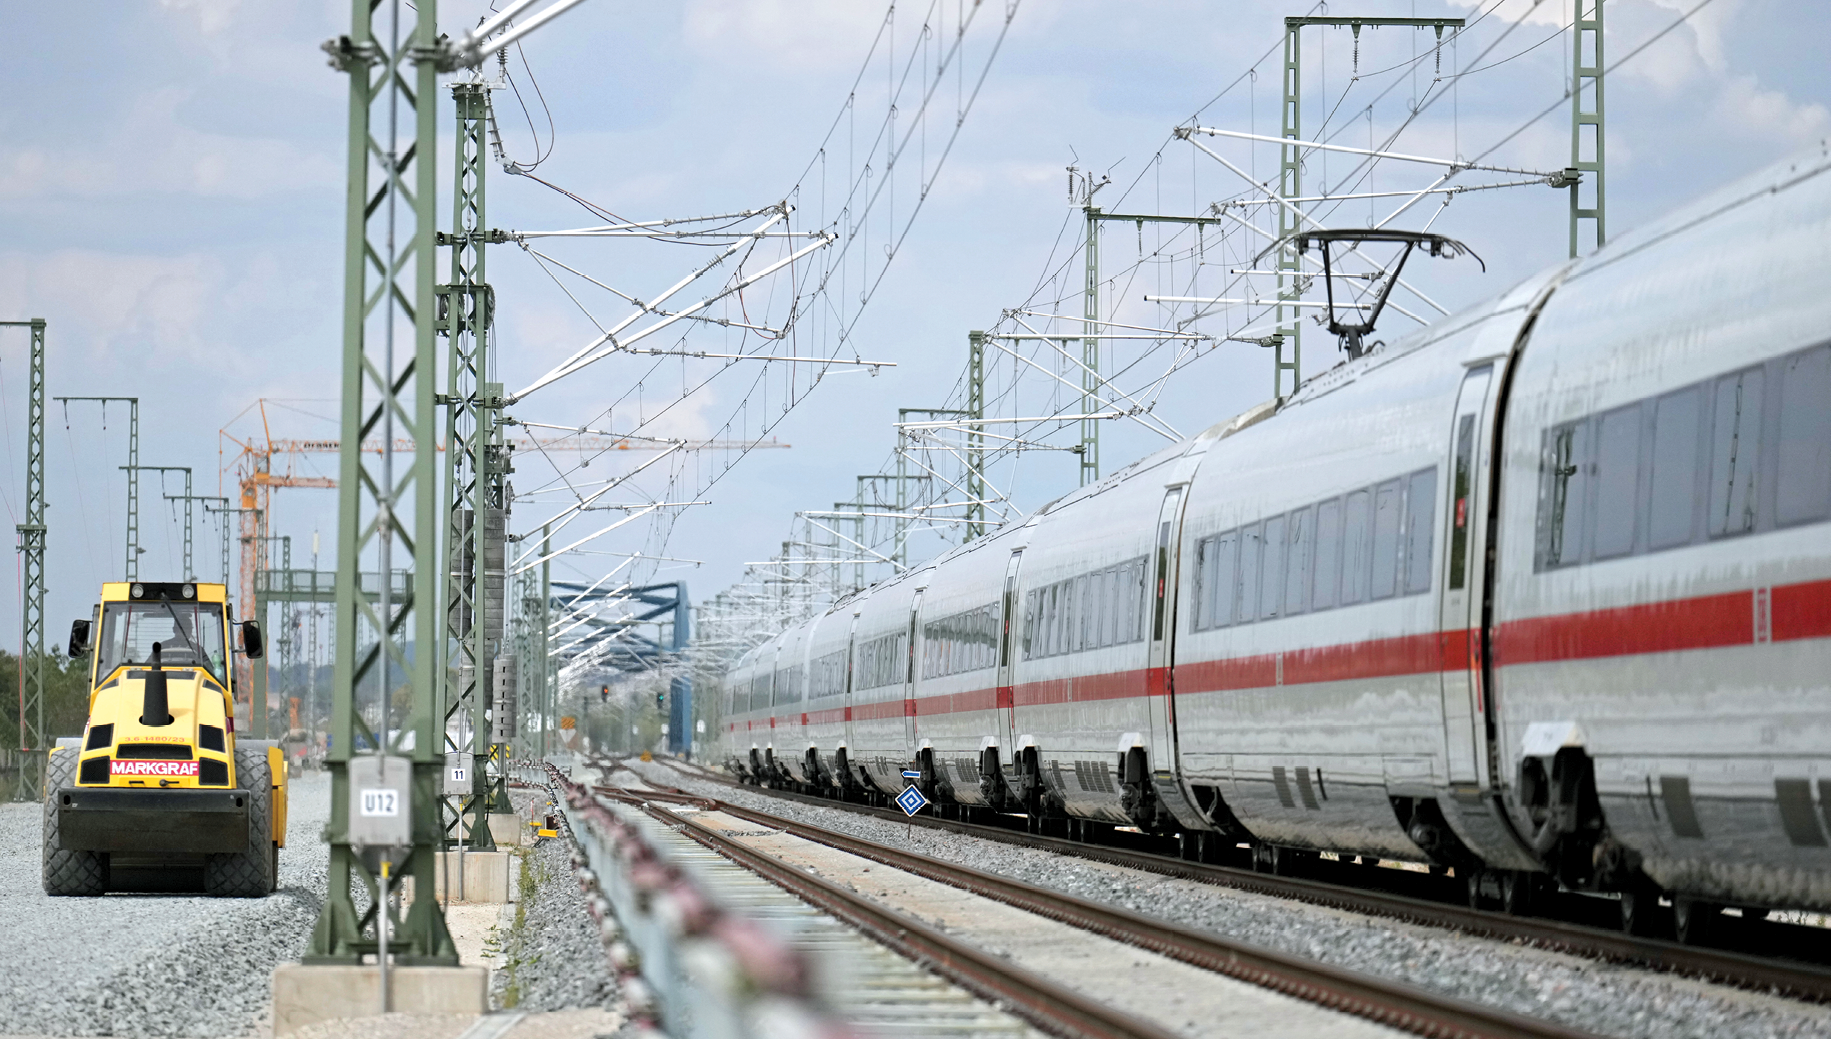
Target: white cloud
1535,12
152,150
816,35
1744,107
145,314
213,16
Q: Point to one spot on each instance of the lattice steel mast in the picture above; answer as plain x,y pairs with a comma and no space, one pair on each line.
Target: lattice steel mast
1589,72
1090,345
132,572
388,505
224,502
32,536
190,572
475,470
975,439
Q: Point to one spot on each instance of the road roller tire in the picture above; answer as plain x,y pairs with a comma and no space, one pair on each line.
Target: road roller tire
68,872
249,873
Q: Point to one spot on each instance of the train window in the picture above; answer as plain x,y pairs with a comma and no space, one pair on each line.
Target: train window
1246,601
1097,609
1097,634
1102,635
1420,514
1328,554
1087,611
1094,605
1617,481
1271,570
1122,597
1115,606
1048,620
1386,507
1734,454
1051,609
1029,623
1075,593
829,675
1675,458
1039,640
1460,490
1299,559
882,661
788,685
1802,488
1134,600
1356,547
759,691
1563,498
1223,549
1202,580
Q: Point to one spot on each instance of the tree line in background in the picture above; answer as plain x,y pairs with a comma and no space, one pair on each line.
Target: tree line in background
66,696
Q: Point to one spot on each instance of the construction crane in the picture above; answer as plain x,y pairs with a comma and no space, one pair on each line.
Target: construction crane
256,478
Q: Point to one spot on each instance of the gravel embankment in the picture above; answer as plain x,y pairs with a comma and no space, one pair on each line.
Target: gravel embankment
553,959
1602,998
147,964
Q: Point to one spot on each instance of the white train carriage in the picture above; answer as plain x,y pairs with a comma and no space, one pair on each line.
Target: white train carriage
1323,554
826,718
1545,587
881,739
960,714
787,714
1663,582
748,680
1090,674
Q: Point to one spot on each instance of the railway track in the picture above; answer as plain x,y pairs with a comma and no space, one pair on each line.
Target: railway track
1797,980
1050,1006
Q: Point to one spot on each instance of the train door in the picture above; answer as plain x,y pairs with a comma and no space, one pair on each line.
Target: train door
1160,684
1007,651
909,676
1465,706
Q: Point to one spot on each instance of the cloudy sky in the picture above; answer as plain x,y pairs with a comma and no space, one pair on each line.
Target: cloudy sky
172,178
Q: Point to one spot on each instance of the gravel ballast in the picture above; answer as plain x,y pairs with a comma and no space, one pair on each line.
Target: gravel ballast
151,964
1603,998
553,958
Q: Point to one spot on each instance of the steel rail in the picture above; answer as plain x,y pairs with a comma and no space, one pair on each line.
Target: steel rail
1043,1003
1386,1002
1795,980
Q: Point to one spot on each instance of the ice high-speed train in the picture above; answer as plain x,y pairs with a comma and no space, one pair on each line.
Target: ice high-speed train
1543,590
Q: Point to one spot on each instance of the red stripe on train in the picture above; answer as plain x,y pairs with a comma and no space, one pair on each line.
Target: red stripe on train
1782,614
1791,612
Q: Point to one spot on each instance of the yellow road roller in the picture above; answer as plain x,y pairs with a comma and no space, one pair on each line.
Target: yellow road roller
159,794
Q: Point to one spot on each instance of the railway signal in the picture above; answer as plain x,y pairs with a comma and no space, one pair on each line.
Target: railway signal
911,800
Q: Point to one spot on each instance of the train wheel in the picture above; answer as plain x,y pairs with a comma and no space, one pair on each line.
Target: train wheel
1289,862
1640,915
1473,878
1693,920
1516,892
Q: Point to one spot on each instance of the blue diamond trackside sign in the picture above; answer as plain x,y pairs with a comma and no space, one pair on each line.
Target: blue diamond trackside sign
911,801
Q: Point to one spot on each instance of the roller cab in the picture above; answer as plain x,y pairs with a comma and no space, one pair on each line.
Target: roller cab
159,793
